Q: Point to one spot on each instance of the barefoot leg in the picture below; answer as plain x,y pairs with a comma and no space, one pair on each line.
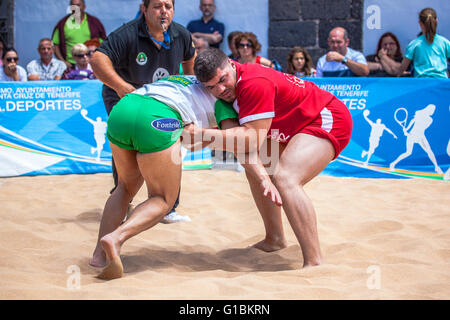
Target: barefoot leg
117,204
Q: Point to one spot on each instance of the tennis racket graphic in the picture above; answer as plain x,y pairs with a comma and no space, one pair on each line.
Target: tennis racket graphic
401,116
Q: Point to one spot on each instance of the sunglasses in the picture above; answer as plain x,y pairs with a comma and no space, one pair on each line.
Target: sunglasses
90,53
243,45
10,59
82,55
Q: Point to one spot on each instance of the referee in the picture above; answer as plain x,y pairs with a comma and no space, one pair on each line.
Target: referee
142,51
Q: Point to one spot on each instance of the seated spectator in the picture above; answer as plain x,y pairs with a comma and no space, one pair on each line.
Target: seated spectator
300,63
387,59
428,52
2,47
341,60
231,37
11,71
200,44
46,67
92,45
82,69
207,27
247,45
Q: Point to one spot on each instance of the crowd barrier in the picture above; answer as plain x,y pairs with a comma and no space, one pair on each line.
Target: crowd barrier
400,128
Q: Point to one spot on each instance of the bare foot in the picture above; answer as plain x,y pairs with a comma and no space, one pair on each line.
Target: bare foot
111,248
98,260
114,270
270,245
312,264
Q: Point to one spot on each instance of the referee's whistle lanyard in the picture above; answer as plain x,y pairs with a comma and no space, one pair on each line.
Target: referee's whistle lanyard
165,44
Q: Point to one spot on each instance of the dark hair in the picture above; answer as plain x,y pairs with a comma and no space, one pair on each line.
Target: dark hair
207,63
398,52
6,50
307,69
231,35
251,37
429,20
147,2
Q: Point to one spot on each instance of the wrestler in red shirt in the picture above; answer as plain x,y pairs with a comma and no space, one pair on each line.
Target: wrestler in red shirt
310,126
293,104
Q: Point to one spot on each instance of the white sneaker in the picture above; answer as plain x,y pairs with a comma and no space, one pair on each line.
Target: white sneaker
174,217
239,167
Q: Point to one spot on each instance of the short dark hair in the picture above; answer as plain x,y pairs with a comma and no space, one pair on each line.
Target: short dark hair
147,2
207,63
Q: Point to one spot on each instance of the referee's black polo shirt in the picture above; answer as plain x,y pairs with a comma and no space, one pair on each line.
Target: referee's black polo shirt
136,58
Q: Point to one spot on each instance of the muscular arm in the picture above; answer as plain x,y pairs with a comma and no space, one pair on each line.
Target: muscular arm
104,71
243,139
254,167
188,65
212,38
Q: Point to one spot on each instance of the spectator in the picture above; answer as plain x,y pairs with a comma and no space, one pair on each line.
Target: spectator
387,59
231,37
140,52
200,44
300,63
92,45
207,27
341,60
428,52
10,70
75,28
2,47
82,69
46,67
247,45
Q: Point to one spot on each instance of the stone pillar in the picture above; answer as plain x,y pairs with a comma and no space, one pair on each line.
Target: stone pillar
307,23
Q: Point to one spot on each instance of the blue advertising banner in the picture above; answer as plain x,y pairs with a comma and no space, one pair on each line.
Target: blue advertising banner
59,127
52,128
401,127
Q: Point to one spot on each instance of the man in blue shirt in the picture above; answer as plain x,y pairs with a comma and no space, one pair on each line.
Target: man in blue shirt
341,60
207,27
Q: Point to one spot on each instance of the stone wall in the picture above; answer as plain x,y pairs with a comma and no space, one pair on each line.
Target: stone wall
307,23
6,21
